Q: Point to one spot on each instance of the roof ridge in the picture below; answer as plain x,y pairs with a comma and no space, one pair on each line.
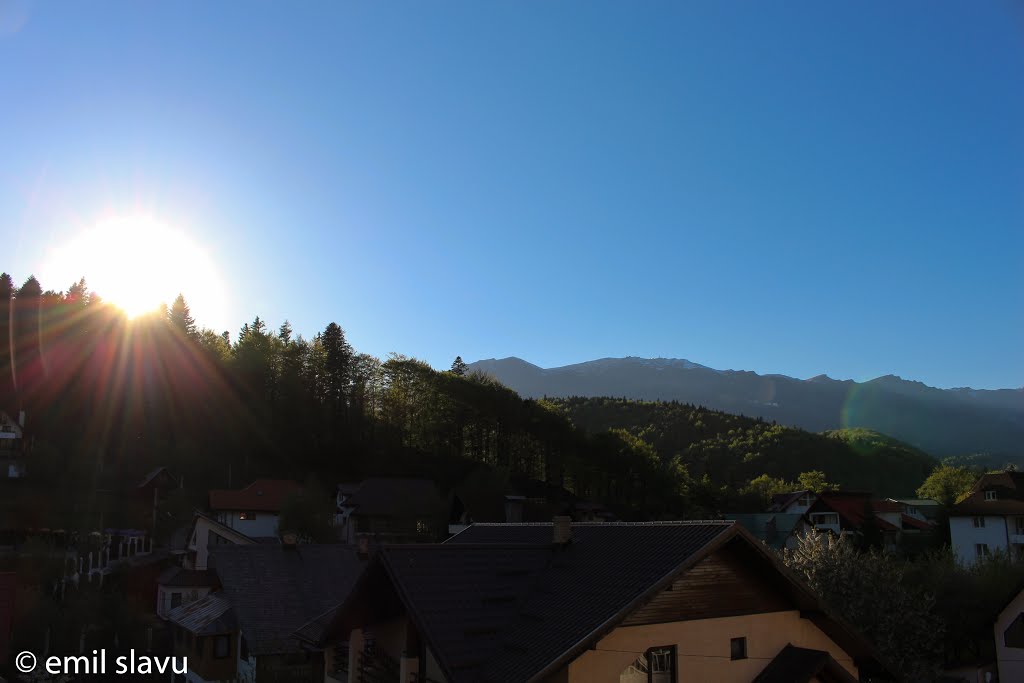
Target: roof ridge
667,522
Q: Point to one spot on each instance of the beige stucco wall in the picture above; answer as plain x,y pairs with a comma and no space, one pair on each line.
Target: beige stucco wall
1009,659
703,647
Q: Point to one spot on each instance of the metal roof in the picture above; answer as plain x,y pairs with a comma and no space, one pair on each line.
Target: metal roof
205,616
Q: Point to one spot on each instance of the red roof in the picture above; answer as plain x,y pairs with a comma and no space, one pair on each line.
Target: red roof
263,495
850,507
917,523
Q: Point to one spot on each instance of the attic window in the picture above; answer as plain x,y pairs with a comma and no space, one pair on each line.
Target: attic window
991,495
805,500
738,648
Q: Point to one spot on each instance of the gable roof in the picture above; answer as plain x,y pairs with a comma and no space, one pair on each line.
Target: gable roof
501,602
263,495
397,497
781,501
851,506
1009,488
276,589
801,665
206,616
221,529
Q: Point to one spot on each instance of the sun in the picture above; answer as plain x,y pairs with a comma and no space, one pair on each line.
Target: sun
137,263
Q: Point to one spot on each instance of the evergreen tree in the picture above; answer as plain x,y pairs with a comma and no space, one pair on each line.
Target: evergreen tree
181,318
338,365
285,333
459,367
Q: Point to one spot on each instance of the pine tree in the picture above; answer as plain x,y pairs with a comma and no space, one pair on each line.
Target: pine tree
459,367
285,333
338,364
181,318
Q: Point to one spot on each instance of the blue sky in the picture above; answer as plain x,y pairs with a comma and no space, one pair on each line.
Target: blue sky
793,187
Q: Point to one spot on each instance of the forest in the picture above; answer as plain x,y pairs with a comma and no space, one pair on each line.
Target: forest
108,399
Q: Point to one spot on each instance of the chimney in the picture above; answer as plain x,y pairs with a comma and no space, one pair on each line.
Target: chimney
562,525
363,546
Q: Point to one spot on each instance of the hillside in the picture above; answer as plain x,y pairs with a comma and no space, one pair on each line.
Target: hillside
733,450
943,422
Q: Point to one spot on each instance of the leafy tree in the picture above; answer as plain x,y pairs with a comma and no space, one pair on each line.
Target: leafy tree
764,487
948,484
875,592
459,367
308,514
814,481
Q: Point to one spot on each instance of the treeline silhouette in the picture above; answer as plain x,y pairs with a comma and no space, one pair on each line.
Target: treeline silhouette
109,399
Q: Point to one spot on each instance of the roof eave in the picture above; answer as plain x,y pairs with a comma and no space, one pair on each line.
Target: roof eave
610,624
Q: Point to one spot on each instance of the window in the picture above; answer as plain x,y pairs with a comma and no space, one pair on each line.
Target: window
979,522
247,515
981,549
805,500
657,665
738,648
825,518
221,647
991,495
175,600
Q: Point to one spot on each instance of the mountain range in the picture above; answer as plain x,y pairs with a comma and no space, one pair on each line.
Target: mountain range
942,422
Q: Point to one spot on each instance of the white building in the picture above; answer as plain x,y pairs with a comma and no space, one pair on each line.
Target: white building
254,510
990,519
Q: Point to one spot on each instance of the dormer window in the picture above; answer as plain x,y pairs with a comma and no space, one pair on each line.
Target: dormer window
991,495
805,500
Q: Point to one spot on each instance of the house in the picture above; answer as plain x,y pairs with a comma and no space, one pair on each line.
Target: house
14,446
923,509
794,502
205,632
564,602
1009,638
394,510
777,530
274,590
472,505
243,630
254,510
990,518
191,579
853,511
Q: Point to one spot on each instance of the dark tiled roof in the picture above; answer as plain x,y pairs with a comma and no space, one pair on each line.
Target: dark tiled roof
1009,488
800,665
522,603
178,576
207,615
396,497
263,495
276,589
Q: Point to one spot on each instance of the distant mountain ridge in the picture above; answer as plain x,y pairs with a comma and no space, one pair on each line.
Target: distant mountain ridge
942,422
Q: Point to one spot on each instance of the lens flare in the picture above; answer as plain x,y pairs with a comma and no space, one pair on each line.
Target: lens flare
138,263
